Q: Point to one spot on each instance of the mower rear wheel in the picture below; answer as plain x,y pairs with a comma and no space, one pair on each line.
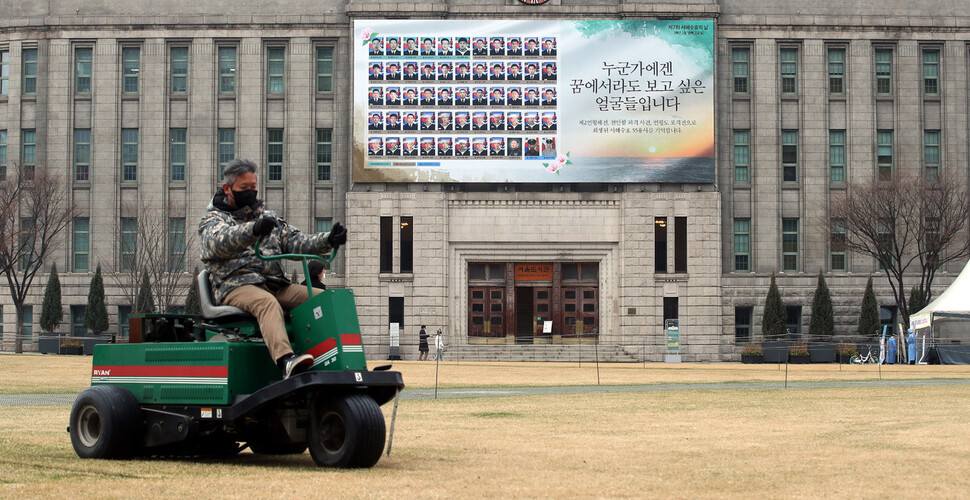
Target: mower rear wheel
346,431
106,422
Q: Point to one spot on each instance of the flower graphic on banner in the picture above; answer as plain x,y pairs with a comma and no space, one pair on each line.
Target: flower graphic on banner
367,35
561,161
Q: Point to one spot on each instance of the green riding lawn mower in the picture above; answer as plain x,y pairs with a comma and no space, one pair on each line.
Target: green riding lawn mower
205,386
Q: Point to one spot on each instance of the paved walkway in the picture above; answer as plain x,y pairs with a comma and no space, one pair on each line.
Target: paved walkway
479,392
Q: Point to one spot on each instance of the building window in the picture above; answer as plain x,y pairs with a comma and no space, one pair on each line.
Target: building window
837,155
27,317
660,245
4,72
885,242
395,311
884,153
82,241
227,147
741,156
28,244
77,320
176,154
793,321
407,244
129,243
789,155
324,153
931,154
129,154
123,324
324,69
931,72
130,68
740,58
227,70
274,154
82,154
3,155
180,70
30,70
387,244
742,324
82,69
28,152
176,244
884,71
789,244
836,71
680,244
275,68
837,247
789,70
742,244
323,224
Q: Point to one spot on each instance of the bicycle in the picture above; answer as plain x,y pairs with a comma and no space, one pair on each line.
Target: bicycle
870,358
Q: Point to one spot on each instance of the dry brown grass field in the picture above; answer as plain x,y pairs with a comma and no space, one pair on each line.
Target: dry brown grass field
868,442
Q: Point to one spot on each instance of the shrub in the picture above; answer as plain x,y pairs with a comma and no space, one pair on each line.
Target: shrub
751,350
869,316
773,319
822,324
96,313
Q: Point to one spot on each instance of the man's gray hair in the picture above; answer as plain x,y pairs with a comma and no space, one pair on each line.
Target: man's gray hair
237,167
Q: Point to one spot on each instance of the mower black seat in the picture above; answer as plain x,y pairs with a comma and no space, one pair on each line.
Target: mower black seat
209,309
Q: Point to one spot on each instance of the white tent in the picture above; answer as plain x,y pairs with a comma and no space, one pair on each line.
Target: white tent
948,320
953,303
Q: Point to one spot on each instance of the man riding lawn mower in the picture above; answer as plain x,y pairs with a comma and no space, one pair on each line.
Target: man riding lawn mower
206,386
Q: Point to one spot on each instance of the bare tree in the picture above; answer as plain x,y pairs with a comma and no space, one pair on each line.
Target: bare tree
908,224
157,242
35,209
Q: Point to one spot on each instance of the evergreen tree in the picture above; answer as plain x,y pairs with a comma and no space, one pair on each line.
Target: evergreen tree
823,319
773,320
869,316
96,313
917,300
192,303
51,312
145,303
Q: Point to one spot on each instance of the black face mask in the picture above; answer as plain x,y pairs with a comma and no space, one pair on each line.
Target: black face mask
245,198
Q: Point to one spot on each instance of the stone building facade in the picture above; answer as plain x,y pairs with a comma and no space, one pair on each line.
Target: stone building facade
137,103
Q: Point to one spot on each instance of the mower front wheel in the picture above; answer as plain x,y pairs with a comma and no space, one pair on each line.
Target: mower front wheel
106,422
346,431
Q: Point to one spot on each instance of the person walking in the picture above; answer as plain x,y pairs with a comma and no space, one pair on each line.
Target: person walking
891,355
911,344
439,345
423,344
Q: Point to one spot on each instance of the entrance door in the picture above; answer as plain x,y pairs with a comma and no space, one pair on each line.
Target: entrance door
486,307
543,308
524,315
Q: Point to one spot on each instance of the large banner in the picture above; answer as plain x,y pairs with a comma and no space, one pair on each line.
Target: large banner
533,101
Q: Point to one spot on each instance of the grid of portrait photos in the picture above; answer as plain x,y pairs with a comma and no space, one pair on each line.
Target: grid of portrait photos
454,97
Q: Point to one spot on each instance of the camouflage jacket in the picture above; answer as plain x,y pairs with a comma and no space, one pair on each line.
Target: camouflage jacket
227,247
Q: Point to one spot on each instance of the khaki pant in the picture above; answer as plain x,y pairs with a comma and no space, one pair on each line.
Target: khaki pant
268,307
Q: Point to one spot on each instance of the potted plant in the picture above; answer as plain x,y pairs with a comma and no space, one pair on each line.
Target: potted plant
798,353
751,353
822,352
845,352
71,347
